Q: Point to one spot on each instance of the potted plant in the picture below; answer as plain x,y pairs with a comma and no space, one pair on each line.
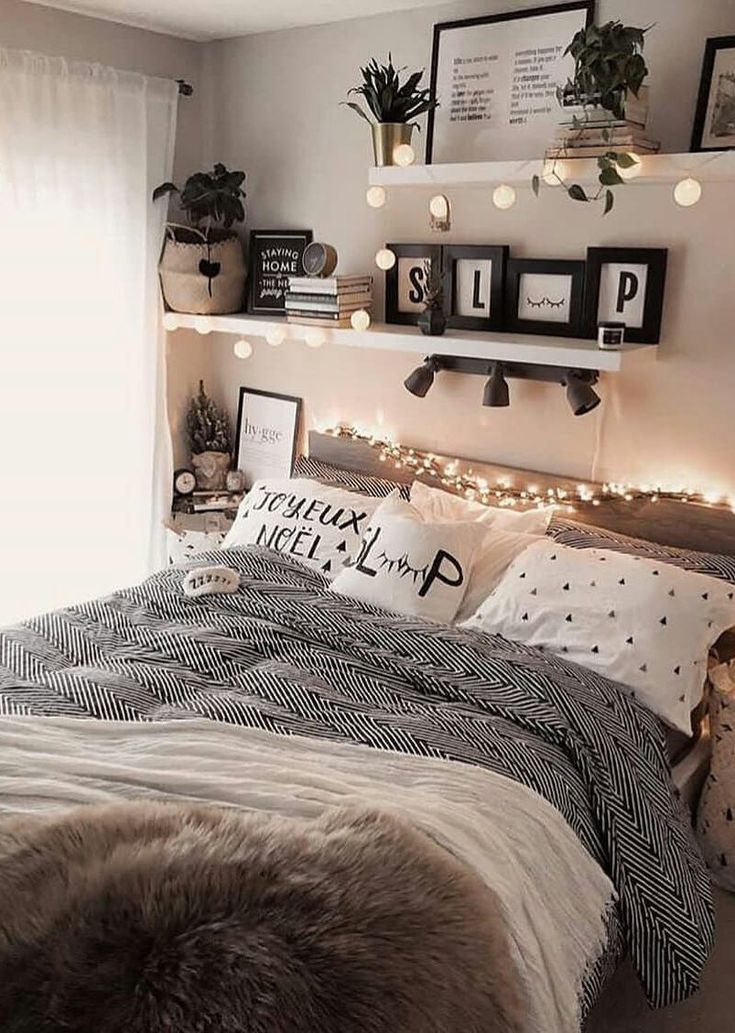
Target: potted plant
432,320
394,105
203,268
209,440
608,70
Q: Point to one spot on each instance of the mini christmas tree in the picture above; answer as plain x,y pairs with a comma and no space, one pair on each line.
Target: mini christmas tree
207,426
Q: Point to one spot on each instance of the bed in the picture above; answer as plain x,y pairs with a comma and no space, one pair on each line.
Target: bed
542,776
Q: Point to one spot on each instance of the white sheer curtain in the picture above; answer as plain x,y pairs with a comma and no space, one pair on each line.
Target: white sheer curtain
84,446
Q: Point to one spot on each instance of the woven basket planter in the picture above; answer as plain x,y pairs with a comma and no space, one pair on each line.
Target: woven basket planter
205,279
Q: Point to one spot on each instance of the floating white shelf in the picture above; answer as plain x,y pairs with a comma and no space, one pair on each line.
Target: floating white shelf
707,166
544,351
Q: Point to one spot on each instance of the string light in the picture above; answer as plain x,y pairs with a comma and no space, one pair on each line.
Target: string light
202,325
275,335
504,196
170,321
360,319
404,155
504,492
376,197
243,349
687,192
385,258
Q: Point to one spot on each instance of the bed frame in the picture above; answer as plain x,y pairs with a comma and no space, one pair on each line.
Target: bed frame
685,525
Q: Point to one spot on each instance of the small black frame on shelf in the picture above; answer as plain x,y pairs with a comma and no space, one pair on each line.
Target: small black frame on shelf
625,284
544,296
477,288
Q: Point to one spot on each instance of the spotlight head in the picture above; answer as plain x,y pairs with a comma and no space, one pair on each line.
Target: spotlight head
581,396
496,394
420,380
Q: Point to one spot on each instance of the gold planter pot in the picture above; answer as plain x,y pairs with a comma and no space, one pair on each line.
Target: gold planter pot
386,137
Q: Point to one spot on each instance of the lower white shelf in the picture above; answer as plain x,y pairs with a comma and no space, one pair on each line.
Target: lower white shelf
545,351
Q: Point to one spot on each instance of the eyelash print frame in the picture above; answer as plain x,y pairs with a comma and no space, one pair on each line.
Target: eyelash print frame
544,296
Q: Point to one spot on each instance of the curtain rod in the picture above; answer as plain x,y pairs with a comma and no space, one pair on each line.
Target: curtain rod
185,88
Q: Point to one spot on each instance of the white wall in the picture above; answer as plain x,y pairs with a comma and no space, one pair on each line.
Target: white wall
274,111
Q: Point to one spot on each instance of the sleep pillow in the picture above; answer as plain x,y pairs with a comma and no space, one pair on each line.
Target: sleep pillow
410,565
316,525
640,622
435,504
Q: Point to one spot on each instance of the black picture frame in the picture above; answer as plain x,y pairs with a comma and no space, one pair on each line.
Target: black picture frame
516,268
656,260
588,6
393,313
262,283
711,48
498,255
293,404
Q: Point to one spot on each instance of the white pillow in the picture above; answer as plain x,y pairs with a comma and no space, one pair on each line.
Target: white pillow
408,565
317,525
435,504
494,555
645,624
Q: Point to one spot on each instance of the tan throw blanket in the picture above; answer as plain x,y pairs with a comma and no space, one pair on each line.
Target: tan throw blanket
144,918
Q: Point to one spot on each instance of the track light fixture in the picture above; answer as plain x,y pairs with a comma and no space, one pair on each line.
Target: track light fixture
496,394
420,380
581,396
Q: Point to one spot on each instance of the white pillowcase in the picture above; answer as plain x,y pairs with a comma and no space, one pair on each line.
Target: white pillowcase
494,555
317,525
411,566
435,504
640,622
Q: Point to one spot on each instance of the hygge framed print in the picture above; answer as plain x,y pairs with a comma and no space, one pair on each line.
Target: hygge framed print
496,77
474,285
714,121
544,296
406,283
267,434
625,285
274,256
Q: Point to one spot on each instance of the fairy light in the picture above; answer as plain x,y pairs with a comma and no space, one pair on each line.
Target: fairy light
507,494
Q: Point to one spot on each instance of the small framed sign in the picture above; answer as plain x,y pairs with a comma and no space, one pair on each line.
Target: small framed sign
274,256
714,121
626,285
267,434
474,285
544,296
407,281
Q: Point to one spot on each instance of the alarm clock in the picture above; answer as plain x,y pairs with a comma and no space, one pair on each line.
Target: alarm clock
319,259
235,480
184,481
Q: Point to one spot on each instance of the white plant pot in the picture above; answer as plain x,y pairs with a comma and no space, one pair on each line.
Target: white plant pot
205,279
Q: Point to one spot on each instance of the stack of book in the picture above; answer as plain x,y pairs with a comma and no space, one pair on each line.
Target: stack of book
329,301
587,132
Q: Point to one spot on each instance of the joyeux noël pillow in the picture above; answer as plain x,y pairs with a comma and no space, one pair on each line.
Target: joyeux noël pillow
314,524
411,566
435,504
643,623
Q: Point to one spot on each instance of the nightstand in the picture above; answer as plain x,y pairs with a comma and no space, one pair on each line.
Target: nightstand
189,534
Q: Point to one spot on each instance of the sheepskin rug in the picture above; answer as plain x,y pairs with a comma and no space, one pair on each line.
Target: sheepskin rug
156,918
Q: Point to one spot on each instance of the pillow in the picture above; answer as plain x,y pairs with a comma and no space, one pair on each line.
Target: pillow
409,565
494,555
435,504
319,526
639,622
583,536
337,477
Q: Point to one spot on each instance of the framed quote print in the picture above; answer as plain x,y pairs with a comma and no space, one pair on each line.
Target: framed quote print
407,281
714,121
626,285
474,285
267,434
495,77
544,296
274,256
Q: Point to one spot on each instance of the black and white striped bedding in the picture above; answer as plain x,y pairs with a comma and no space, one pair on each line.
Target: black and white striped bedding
286,656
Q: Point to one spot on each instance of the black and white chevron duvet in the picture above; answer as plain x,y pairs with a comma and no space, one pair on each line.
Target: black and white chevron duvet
286,656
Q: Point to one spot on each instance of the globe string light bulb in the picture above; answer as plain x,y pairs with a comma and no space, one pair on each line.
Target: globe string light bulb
504,196
360,320
687,192
315,338
439,206
385,259
376,197
243,349
276,335
202,325
170,321
404,155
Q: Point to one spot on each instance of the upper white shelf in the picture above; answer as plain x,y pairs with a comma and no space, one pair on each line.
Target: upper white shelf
544,351
707,166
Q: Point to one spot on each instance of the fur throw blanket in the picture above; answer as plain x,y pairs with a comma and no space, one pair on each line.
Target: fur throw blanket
161,918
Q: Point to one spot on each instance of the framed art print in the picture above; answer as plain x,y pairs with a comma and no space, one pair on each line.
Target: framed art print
267,434
496,77
714,121
407,281
625,285
544,296
474,285
274,256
